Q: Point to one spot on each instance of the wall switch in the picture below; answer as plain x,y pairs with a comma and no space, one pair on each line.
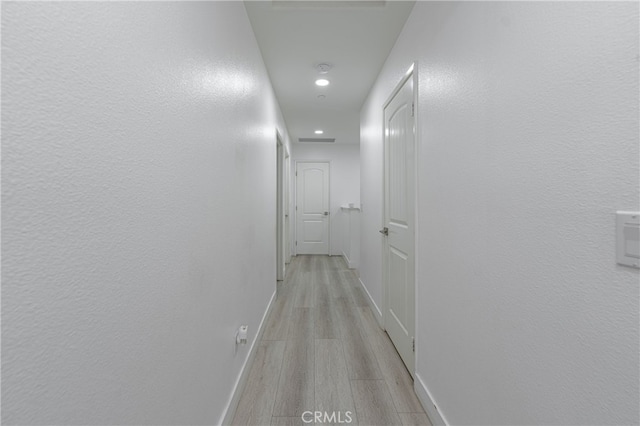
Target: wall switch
628,238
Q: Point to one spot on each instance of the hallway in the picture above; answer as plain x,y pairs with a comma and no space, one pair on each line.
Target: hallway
150,173
322,350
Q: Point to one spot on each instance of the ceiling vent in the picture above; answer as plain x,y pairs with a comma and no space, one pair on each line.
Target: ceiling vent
327,3
316,139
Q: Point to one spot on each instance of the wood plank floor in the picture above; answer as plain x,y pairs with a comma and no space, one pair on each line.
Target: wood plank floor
322,350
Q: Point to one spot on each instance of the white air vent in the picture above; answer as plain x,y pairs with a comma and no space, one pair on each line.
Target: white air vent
327,3
316,139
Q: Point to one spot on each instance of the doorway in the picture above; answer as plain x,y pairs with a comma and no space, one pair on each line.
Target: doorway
398,260
312,207
280,209
287,209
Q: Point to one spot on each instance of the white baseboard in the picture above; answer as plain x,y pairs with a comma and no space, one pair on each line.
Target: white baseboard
437,418
232,405
372,304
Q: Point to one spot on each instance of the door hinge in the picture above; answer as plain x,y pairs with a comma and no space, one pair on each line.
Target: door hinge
296,173
296,243
413,109
413,344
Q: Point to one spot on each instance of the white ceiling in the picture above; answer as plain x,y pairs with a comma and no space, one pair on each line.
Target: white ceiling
354,36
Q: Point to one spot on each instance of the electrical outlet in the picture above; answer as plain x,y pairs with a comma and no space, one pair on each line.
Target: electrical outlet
241,335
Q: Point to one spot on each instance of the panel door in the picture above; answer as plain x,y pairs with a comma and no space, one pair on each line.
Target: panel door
312,208
398,247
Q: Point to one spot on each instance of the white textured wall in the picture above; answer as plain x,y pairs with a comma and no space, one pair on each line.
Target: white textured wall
528,144
344,184
138,209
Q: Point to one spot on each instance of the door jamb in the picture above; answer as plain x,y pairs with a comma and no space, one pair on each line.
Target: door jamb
287,208
280,212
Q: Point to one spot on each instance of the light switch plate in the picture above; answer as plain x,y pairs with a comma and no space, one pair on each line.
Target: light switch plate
628,238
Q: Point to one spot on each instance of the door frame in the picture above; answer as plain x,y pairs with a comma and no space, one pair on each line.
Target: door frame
287,208
411,73
280,208
295,192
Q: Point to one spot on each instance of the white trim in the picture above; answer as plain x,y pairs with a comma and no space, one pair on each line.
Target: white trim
428,403
408,74
230,410
416,216
372,304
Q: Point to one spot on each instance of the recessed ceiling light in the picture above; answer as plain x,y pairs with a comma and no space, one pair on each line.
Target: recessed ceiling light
322,82
318,132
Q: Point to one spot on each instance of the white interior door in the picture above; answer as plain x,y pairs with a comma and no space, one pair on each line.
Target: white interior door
279,210
399,224
287,209
312,208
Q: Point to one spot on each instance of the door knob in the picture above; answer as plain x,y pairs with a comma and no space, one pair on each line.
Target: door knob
384,231
326,213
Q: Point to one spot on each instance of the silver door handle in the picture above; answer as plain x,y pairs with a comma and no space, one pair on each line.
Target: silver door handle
384,231
326,213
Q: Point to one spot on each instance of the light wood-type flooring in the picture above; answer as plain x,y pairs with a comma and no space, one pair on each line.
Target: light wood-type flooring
322,350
